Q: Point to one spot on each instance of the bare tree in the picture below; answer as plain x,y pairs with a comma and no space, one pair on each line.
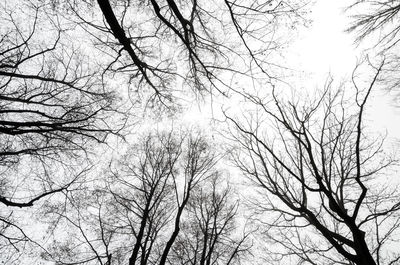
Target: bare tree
324,196
52,107
208,235
137,216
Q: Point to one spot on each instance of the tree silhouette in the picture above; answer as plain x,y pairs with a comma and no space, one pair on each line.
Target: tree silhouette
80,79
320,178
208,235
140,213
52,107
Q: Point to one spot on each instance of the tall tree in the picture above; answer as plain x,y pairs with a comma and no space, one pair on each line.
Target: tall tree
320,177
52,107
210,231
139,214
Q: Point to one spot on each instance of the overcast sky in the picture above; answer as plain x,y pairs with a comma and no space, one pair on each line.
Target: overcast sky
325,48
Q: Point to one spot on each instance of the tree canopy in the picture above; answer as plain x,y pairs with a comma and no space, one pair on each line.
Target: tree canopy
99,166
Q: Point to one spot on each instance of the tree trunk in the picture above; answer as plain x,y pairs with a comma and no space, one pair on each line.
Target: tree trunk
364,256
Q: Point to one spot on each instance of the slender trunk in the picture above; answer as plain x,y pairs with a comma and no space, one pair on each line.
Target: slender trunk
203,253
139,237
172,238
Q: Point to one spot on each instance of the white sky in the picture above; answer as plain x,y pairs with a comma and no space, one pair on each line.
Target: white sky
325,48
